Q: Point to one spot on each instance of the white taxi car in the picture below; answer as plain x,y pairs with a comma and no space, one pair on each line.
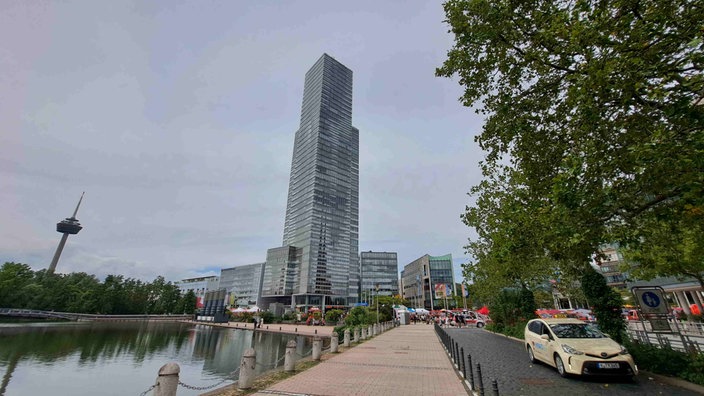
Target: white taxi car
575,347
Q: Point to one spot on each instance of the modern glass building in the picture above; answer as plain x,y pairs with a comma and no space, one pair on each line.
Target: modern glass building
426,281
378,274
242,284
322,212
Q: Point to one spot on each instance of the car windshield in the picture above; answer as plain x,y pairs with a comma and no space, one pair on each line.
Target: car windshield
576,330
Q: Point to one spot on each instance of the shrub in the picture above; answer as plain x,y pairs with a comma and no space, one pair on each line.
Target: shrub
512,307
606,304
665,361
333,315
515,330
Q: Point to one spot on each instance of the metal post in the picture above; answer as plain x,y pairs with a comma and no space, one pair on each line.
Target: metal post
457,354
495,387
471,371
464,364
480,382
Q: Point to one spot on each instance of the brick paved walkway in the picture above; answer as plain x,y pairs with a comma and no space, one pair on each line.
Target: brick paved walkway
407,360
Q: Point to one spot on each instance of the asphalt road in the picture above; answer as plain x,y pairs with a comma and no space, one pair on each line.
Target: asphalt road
505,360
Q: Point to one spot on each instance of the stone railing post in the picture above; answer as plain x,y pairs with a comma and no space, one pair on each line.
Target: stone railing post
317,347
364,333
369,331
334,342
356,334
167,380
346,340
249,362
289,357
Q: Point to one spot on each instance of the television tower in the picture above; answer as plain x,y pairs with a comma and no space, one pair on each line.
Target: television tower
66,226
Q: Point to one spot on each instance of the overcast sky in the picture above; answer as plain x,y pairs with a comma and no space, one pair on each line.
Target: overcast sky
177,119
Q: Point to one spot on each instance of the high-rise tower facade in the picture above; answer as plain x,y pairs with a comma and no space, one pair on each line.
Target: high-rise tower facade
322,212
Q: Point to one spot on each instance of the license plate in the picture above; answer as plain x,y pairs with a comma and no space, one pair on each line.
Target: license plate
608,365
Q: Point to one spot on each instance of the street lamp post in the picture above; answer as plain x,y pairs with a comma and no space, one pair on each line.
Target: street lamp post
377,303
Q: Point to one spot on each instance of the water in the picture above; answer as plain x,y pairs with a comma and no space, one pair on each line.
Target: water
124,358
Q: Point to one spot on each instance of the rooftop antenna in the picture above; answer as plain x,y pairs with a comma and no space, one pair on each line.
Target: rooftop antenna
67,226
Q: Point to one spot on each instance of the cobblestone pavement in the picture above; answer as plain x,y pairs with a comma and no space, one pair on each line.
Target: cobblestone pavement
505,360
407,360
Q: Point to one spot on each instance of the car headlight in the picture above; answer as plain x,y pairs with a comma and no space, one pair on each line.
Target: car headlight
571,350
624,351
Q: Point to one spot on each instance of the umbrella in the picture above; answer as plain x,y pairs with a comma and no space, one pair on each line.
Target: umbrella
254,309
483,310
238,310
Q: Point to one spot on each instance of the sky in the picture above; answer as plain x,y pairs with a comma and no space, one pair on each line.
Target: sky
177,119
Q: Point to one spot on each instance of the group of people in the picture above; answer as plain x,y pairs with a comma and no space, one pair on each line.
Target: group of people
441,320
258,322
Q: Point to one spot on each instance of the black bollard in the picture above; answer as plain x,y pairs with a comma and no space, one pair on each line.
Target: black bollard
279,328
471,371
316,331
480,382
457,354
464,366
495,387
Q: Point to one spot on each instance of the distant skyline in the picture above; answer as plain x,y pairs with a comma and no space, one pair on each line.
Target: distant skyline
178,122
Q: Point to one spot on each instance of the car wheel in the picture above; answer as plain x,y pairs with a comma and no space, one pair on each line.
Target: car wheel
560,366
531,357
480,325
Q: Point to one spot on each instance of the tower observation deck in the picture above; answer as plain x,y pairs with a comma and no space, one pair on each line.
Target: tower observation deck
67,226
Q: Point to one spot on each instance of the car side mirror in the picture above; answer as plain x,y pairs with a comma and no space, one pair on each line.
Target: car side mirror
545,337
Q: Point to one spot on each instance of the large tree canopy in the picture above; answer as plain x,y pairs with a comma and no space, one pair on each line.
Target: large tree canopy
593,127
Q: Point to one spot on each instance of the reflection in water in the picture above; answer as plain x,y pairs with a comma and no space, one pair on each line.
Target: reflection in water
124,358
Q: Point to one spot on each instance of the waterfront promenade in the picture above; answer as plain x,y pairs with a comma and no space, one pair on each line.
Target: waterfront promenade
299,329
406,360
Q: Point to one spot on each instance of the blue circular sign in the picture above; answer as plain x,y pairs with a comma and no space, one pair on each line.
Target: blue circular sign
651,299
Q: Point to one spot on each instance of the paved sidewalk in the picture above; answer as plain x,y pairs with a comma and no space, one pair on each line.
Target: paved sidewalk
407,360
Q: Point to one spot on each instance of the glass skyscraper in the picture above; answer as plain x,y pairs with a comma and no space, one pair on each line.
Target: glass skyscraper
322,212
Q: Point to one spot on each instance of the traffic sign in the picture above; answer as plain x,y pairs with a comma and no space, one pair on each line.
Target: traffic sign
659,324
651,300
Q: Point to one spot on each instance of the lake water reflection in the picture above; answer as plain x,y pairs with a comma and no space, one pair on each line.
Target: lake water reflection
124,358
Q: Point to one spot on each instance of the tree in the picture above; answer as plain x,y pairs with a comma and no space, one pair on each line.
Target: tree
14,277
669,248
605,303
593,130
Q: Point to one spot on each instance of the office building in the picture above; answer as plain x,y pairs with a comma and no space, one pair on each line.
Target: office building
200,286
242,284
429,281
322,211
378,274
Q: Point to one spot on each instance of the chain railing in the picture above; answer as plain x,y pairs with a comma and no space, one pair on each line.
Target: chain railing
148,390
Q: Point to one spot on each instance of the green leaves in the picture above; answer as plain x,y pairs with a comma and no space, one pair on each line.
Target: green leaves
593,133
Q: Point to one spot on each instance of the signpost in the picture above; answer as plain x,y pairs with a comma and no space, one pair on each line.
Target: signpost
654,307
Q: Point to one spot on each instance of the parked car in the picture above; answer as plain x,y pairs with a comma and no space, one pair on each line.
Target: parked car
575,347
471,318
